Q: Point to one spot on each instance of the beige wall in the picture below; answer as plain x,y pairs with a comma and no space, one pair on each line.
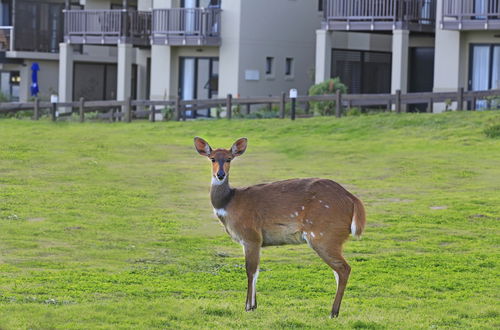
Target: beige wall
279,29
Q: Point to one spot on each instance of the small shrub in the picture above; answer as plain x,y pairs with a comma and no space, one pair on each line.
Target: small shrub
168,113
493,131
353,112
327,87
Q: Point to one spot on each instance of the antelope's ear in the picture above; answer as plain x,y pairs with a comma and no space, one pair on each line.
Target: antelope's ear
239,147
202,146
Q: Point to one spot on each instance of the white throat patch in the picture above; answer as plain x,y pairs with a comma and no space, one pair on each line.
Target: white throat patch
221,213
216,182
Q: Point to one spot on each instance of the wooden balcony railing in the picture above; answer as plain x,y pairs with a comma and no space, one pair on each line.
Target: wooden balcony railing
471,15
186,26
415,15
107,26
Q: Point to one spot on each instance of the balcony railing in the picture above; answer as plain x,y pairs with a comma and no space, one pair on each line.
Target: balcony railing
471,15
107,27
366,15
6,38
186,26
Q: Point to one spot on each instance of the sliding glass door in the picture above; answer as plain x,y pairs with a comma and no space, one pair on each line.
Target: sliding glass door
484,72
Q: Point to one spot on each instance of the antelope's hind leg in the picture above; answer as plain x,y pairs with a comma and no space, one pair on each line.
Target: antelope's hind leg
252,258
332,255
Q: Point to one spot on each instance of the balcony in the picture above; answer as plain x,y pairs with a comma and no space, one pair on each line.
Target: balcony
379,15
6,38
471,15
107,27
186,26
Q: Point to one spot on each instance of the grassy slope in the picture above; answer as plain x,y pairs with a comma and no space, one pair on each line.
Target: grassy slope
109,225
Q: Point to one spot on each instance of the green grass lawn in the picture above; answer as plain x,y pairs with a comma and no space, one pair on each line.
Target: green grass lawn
110,225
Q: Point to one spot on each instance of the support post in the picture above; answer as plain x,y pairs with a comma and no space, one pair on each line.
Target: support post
338,104
229,106
398,101
178,111
282,105
294,104
248,107
430,105
460,99
36,109
152,117
53,111
82,109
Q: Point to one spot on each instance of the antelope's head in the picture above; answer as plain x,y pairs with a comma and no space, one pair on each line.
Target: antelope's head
221,158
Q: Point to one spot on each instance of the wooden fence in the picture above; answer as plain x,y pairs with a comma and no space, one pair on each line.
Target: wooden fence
130,109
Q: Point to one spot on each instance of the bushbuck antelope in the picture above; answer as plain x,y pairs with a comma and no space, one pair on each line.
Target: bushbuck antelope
317,211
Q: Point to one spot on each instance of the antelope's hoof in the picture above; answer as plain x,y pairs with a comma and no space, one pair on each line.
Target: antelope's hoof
250,308
334,314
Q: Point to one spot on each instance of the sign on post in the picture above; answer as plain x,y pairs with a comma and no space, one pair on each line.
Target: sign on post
293,96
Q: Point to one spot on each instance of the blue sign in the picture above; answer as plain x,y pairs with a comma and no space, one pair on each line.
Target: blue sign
34,79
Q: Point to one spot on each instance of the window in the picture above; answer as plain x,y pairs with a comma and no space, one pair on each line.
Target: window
484,69
320,5
269,66
362,71
9,86
289,66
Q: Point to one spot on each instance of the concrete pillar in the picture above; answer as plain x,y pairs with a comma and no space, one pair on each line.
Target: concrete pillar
25,83
323,56
400,52
447,68
161,58
162,4
66,61
125,58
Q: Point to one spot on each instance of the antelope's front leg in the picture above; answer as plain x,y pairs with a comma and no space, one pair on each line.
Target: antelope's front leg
252,257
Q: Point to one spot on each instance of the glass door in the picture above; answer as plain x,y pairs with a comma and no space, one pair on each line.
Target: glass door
484,72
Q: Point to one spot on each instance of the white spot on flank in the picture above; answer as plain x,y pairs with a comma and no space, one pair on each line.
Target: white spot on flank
327,206
336,278
312,235
308,221
320,201
296,214
321,234
303,207
216,182
222,213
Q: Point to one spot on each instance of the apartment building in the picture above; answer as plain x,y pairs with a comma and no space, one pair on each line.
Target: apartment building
195,49
31,32
467,46
380,46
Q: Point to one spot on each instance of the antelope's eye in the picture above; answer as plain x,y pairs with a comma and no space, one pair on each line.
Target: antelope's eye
213,160
228,160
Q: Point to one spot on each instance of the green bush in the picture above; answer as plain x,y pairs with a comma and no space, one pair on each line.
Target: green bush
493,131
327,87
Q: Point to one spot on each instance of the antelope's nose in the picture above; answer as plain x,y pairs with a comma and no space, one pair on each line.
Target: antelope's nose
220,174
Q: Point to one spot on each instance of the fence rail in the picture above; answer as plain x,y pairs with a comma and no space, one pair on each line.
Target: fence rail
129,109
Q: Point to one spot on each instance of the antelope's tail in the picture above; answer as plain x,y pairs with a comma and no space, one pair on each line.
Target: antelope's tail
358,218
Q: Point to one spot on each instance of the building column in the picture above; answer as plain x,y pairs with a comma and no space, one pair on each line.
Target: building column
124,80
400,53
66,61
323,56
142,73
447,68
161,58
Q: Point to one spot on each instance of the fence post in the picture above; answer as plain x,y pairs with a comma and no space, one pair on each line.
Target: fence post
398,101
128,110
338,104
282,105
229,106
460,99
53,111
178,108
111,115
152,117
248,108
82,109
430,105
36,108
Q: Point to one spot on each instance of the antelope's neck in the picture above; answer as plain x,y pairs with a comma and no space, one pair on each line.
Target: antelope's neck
221,194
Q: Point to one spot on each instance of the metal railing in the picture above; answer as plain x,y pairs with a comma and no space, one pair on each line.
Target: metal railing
185,26
379,14
6,38
471,14
107,26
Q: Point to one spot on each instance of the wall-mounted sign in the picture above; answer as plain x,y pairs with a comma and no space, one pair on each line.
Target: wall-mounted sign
293,93
252,75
